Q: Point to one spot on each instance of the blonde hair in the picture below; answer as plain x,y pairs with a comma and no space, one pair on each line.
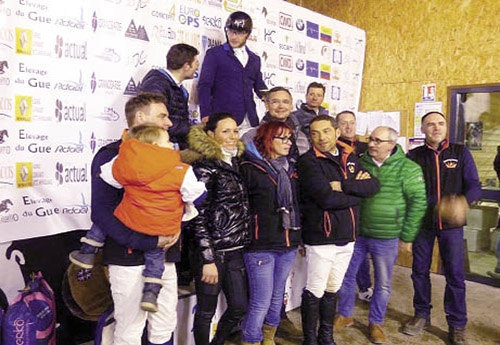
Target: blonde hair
146,133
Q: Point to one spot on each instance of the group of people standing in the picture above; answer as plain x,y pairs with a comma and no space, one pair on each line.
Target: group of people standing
298,178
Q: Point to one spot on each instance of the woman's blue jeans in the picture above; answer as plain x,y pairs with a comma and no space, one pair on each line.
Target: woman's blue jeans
267,272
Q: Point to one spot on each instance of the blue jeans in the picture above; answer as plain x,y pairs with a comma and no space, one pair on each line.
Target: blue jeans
363,278
451,248
154,263
95,234
267,273
384,254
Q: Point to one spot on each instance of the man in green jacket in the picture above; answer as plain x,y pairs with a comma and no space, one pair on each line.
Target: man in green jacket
389,222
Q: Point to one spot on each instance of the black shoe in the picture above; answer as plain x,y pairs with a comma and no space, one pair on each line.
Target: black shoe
416,325
457,336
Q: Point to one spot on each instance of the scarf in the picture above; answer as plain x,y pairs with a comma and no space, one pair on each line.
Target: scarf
285,196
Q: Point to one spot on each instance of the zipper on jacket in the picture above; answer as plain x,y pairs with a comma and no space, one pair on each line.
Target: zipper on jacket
287,237
256,219
438,187
353,220
327,224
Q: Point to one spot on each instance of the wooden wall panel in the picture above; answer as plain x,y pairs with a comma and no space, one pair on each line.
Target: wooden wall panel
410,43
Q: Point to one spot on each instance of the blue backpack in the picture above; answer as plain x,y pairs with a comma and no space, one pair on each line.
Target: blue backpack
31,317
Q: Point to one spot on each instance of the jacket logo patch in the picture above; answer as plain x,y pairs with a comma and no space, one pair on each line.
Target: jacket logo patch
451,163
351,166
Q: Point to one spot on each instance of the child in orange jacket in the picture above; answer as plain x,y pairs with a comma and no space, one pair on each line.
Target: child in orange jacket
159,188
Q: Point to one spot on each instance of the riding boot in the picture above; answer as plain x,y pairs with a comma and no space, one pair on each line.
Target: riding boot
327,308
310,314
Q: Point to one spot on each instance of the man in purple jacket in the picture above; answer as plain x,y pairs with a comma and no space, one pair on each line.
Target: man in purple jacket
229,74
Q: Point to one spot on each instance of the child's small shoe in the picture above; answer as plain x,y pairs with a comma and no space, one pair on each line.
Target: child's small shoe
148,301
82,260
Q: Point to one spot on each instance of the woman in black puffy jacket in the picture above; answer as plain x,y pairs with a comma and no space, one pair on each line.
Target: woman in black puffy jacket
221,230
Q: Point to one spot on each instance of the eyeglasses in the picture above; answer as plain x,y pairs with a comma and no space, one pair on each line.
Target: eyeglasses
284,140
378,141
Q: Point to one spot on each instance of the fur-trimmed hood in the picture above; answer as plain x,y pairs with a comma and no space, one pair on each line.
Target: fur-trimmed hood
202,146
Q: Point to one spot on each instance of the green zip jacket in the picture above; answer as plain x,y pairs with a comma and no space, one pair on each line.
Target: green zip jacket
396,211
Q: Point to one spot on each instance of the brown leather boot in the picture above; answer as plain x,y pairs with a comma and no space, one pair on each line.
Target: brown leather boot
342,321
268,333
377,335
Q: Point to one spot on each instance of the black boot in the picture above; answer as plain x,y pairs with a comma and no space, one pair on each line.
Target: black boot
201,327
327,308
310,313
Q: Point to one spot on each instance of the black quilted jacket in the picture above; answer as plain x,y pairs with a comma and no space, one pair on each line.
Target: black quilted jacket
223,221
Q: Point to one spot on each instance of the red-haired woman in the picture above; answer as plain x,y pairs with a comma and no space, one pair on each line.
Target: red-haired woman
270,178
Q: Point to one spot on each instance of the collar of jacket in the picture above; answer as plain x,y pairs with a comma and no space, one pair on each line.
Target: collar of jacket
254,157
396,155
201,146
344,150
348,142
229,49
346,146
321,110
124,134
442,146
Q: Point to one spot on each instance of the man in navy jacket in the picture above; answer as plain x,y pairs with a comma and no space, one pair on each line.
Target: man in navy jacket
229,75
332,185
449,169
182,64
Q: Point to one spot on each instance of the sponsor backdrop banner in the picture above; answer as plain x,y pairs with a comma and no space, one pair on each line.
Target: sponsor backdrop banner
67,69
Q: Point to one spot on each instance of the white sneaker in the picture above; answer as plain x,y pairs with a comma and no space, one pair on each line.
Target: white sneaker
367,295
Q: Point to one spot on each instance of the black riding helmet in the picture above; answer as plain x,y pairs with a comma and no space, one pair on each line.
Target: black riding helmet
239,21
